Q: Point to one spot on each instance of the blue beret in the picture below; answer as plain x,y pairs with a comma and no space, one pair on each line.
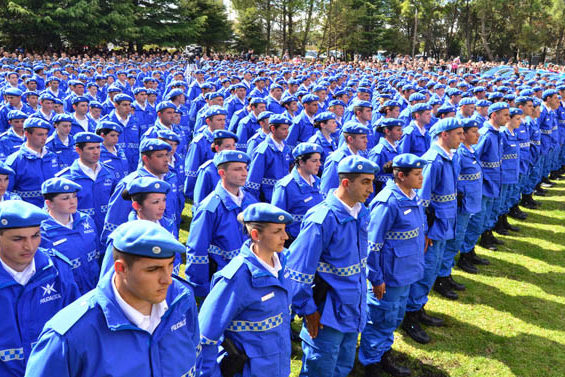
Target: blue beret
224,134
95,105
16,114
310,98
146,239
363,90
28,93
57,101
537,102
389,122
324,116
52,78
147,185
280,119
46,97
257,100
264,115
122,97
215,110
522,99
336,102
152,144
478,89
467,101
106,124
165,105
306,148
212,95
230,156
453,92
20,214
357,164
91,84
77,99
390,103
13,92
136,91
469,123
207,85
515,111
435,101
354,127
59,185
266,213
362,104
114,89
497,107
416,97
483,103
168,135
177,92
87,137
288,99
509,97
275,86
446,108
63,117
36,123
446,124
5,169
548,93
494,95
422,106
408,160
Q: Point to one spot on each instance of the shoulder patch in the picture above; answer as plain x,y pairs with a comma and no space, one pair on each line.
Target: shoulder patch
203,166
383,195
198,137
63,171
69,316
318,213
232,267
285,180
211,202
107,165
59,255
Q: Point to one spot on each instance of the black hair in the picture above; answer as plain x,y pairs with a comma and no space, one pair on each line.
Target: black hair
305,157
129,259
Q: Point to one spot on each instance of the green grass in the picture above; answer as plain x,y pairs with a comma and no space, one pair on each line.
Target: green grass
511,319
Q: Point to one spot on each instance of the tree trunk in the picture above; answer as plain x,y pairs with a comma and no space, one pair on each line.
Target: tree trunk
269,23
290,31
559,46
483,35
283,24
307,26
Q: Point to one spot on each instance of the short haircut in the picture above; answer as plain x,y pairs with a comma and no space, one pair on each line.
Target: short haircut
349,176
129,259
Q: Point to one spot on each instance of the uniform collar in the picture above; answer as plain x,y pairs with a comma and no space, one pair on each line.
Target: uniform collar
259,271
227,199
340,211
21,277
42,263
301,182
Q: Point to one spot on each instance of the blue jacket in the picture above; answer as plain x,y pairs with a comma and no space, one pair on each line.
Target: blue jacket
489,154
333,245
158,126
268,165
294,195
76,127
535,139
413,141
199,152
258,322
548,125
144,118
470,180
233,105
382,153
255,140
439,191
328,146
246,128
510,156
26,308
10,143
31,172
214,233
330,178
300,131
119,209
80,245
5,109
274,106
396,238
128,141
94,196
236,118
118,162
206,180
90,337
66,154
523,138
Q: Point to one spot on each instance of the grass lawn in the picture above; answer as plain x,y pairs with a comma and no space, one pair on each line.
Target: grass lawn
511,319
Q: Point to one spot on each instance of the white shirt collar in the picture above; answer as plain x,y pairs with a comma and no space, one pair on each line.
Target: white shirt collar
40,155
310,179
69,224
237,199
280,146
392,145
145,322
448,151
354,154
91,173
353,211
412,192
276,261
22,277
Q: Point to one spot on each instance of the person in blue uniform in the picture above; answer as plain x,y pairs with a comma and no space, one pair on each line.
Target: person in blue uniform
5,173
148,196
253,327
200,150
155,160
384,152
261,134
35,283
33,163
300,189
303,124
61,142
129,139
248,125
439,196
71,233
415,137
14,137
215,236
525,198
489,154
331,252
207,176
110,153
271,162
396,240
469,194
355,137
138,309
326,125
97,180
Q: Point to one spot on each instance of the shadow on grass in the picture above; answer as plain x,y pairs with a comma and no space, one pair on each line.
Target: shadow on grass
524,354
529,309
